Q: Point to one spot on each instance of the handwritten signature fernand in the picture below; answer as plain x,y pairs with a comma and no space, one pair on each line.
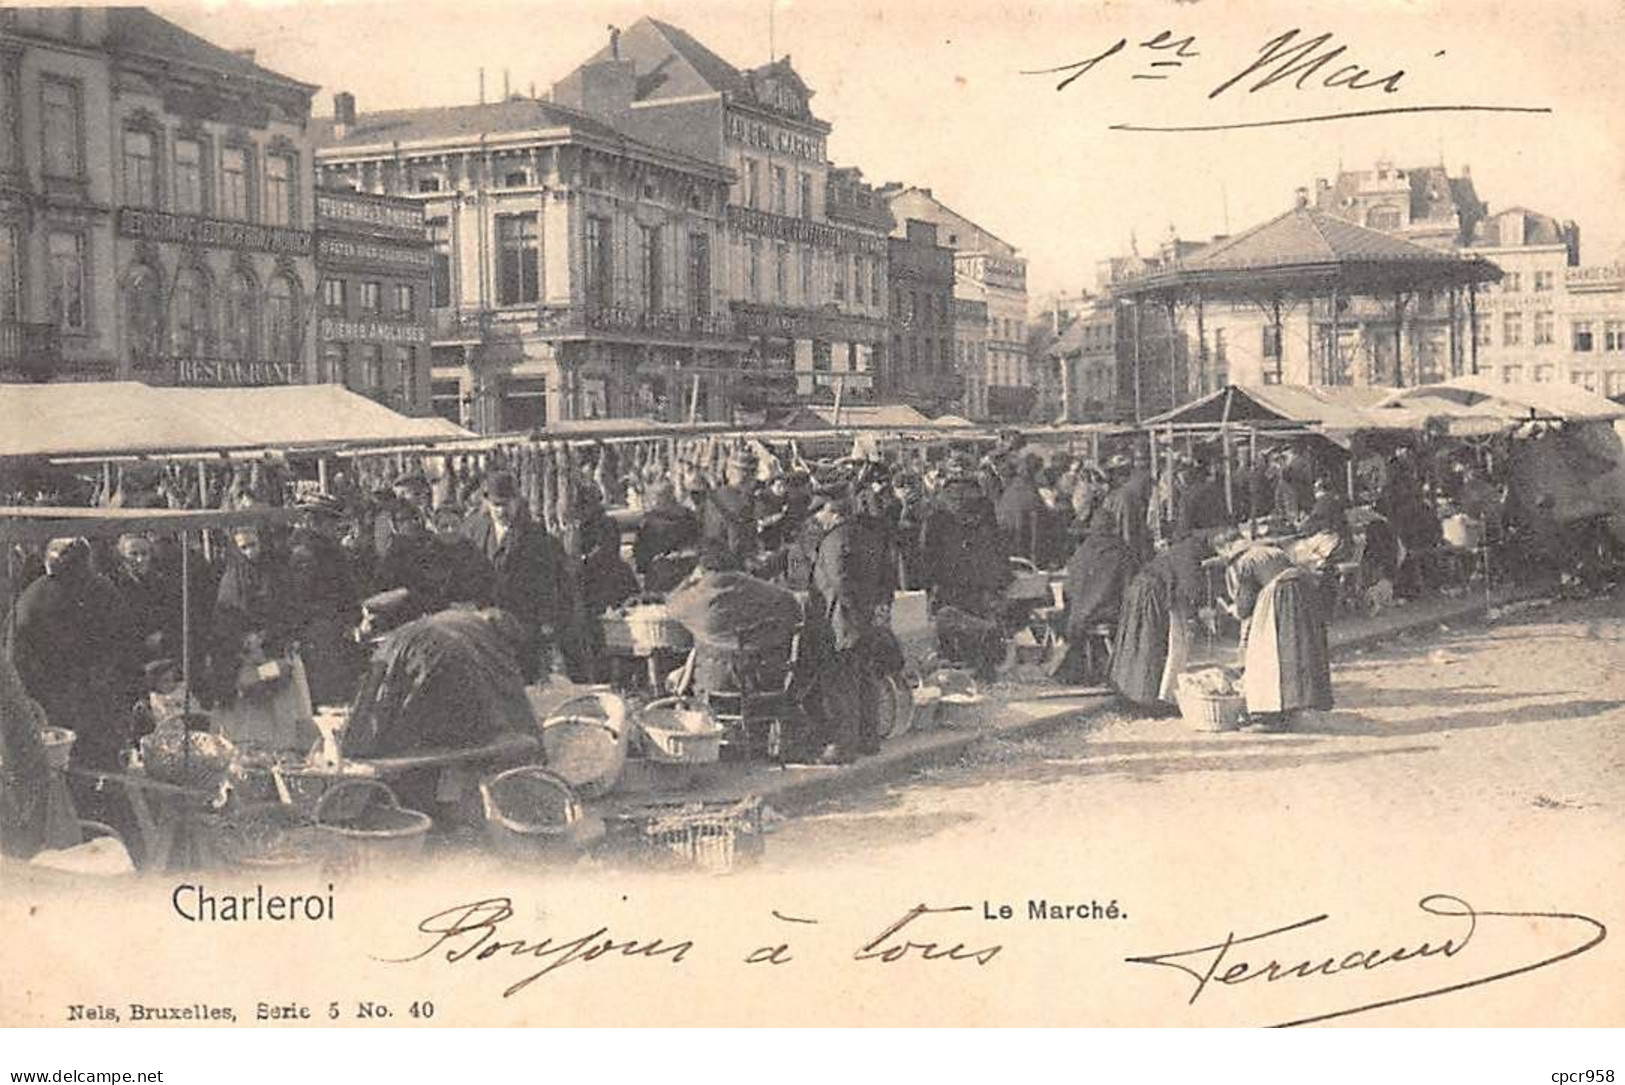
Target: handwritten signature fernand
1221,963
1290,59
478,931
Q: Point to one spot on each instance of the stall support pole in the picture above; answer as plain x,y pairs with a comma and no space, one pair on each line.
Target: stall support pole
1349,471
1138,414
1334,349
1472,324
186,616
1455,336
321,474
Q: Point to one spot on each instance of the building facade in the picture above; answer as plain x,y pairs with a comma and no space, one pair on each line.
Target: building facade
157,208
575,272
373,257
1551,317
970,352
921,370
805,266
991,271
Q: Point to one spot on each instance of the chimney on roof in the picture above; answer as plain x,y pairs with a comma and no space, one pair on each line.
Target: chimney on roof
1303,198
343,113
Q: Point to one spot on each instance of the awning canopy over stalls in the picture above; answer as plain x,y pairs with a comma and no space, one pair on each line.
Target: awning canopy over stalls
1509,403
121,418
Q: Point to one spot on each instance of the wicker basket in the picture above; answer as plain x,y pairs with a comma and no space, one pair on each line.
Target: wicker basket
193,759
1209,711
678,730
711,836
646,628
1030,583
269,836
586,741
363,824
530,813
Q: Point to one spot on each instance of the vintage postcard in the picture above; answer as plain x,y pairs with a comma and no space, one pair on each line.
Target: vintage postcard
587,512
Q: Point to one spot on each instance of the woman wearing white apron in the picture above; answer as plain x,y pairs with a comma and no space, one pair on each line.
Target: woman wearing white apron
1287,667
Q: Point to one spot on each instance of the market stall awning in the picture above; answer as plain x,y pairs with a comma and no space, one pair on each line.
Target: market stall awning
118,418
1511,403
1275,405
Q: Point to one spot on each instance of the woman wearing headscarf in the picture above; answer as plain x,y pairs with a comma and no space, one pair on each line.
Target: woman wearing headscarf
1152,636
1283,634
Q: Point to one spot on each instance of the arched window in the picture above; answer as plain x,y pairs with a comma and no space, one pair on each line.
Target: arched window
189,312
144,314
282,320
241,319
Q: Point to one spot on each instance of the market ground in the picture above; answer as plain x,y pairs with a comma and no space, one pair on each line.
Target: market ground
1516,721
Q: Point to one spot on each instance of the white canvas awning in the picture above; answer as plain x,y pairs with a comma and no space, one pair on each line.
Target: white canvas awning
120,418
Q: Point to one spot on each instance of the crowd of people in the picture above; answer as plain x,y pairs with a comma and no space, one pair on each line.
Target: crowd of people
783,572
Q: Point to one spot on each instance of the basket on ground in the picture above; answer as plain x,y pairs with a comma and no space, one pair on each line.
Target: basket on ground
710,836
269,835
586,740
1029,583
679,731
531,813
362,823
1208,704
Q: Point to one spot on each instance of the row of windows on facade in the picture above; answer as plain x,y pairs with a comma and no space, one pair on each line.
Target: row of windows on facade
179,320
1512,282
360,367
779,192
387,177
1582,333
194,319
856,277
1607,382
188,188
369,297
918,354
518,251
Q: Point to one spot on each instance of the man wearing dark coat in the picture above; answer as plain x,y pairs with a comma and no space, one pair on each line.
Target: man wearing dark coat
532,578
72,647
729,514
964,565
668,540
850,586
1017,511
152,595
742,626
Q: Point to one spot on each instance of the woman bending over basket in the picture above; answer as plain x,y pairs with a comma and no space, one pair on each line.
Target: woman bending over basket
1283,634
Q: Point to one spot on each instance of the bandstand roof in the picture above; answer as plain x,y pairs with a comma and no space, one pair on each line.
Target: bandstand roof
1310,252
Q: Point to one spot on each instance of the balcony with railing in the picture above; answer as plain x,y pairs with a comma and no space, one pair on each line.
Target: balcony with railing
448,326
32,351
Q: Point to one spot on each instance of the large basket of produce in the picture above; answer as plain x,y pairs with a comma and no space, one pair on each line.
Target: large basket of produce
644,628
362,823
269,835
531,813
711,836
1209,701
192,759
585,740
1029,583
58,742
679,730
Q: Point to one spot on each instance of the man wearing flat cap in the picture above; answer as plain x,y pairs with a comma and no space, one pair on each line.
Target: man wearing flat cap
729,517
531,576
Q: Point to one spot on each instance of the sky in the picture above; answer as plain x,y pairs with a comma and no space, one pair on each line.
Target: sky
934,94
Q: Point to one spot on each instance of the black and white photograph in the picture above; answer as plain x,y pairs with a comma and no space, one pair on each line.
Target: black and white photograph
785,513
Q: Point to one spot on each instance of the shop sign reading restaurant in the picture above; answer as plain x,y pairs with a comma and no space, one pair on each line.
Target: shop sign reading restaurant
219,373
191,230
